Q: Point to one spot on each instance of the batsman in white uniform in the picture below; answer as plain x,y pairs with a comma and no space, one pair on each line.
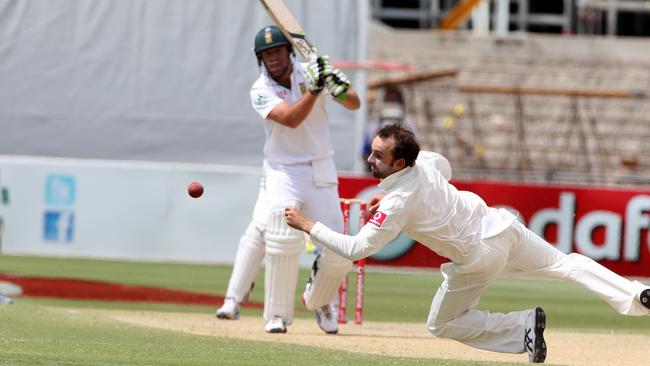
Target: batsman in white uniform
482,242
298,171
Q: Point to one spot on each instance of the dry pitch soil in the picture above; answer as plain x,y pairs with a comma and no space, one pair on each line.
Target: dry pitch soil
401,339
390,339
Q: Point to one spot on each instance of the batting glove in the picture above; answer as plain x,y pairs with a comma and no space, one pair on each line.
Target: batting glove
337,84
325,66
313,78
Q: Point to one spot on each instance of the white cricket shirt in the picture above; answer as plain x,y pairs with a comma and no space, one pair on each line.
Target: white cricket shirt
284,145
422,203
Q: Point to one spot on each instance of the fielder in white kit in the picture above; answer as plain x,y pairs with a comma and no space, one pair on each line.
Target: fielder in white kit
299,171
481,242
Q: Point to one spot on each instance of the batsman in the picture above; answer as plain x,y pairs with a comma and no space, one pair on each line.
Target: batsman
480,241
299,171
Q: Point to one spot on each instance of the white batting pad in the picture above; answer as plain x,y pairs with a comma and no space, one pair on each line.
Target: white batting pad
327,275
248,262
283,246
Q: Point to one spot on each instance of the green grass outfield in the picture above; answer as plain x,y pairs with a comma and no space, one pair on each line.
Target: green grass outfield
37,331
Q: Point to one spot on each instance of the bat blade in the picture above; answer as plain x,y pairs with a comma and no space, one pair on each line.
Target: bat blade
291,28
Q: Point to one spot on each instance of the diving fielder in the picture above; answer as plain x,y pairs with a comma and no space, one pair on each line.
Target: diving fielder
298,171
481,241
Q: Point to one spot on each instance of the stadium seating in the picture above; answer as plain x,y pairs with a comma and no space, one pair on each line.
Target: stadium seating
539,108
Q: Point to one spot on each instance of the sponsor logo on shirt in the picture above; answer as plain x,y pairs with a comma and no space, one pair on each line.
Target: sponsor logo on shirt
260,100
378,218
282,93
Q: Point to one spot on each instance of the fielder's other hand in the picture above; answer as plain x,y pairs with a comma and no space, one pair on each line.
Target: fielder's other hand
374,203
297,220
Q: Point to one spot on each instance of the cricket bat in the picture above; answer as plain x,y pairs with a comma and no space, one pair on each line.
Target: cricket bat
291,28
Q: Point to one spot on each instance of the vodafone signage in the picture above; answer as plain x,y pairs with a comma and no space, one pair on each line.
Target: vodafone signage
609,225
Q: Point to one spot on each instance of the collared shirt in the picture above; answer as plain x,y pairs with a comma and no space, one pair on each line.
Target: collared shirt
284,145
421,202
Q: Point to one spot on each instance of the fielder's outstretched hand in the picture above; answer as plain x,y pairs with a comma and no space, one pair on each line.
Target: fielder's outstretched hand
297,220
374,203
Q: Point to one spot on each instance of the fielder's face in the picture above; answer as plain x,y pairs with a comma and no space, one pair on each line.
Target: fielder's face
382,163
276,61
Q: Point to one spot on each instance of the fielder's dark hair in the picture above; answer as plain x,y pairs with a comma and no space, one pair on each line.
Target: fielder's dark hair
406,146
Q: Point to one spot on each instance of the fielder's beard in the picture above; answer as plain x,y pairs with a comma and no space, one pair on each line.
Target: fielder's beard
375,173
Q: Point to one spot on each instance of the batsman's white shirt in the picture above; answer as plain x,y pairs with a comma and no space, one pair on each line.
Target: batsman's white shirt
284,145
421,202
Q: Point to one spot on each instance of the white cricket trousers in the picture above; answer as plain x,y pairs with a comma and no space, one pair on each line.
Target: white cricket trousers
453,314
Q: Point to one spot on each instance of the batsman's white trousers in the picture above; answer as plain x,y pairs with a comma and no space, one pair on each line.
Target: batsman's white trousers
452,313
293,185
296,185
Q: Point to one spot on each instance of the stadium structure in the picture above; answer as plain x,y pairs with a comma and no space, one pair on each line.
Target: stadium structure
532,91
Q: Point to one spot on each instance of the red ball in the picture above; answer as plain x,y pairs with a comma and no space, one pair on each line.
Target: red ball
195,189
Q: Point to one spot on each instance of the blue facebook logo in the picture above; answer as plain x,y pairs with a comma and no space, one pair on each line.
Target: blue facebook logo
58,225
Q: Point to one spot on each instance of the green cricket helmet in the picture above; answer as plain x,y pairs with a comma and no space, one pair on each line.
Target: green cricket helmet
270,37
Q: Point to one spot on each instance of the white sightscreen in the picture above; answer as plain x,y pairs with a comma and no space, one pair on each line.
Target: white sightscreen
163,80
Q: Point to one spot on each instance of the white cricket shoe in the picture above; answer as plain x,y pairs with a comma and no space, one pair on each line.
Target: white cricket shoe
229,310
534,336
326,318
644,298
275,325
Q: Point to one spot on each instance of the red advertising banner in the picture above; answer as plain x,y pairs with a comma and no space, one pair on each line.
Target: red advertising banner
609,225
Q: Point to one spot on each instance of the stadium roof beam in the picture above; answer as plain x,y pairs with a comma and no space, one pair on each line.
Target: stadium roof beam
592,93
413,77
